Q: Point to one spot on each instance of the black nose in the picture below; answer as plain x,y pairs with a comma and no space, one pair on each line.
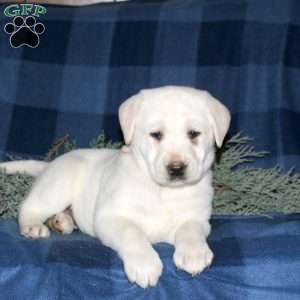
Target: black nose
176,170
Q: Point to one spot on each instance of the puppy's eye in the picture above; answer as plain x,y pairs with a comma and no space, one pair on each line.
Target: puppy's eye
157,135
192,134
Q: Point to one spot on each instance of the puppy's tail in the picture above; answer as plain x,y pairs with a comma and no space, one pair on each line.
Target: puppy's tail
32,167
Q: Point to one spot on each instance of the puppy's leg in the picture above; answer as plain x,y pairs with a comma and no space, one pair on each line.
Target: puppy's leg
38,207
141,263
52,192
192,252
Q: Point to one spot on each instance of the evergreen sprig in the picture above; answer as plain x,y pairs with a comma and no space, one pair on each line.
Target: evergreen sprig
246,190
239,188
13,188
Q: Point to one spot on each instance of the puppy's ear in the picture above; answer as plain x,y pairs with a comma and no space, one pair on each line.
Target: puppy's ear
127,116
219,116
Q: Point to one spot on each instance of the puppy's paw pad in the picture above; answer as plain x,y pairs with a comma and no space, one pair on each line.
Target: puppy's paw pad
143,267
193,259
62,223
35,231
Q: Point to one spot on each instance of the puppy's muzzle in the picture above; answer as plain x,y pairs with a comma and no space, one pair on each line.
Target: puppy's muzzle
176,170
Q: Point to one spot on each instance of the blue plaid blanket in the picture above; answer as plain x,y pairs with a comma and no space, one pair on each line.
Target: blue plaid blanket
90,59
255,259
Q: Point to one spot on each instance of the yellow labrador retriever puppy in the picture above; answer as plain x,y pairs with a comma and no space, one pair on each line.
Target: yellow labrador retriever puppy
157,189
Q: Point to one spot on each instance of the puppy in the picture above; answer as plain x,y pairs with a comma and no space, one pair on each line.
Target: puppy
156,189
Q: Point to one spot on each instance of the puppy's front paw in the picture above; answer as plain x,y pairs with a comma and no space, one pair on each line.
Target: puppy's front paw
143,267
35,231
193,257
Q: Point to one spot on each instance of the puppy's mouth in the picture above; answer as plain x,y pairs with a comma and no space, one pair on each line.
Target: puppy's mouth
177,179
176,182
174,176
168,181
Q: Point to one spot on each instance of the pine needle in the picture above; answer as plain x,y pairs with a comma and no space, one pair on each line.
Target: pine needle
239,188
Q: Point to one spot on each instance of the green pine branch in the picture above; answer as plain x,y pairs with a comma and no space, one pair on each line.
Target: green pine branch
239,188
248,190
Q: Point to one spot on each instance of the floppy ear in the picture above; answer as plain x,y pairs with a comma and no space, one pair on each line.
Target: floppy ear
127,116
220,119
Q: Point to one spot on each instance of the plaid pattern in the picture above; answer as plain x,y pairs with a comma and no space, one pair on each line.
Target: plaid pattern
90,59
255,259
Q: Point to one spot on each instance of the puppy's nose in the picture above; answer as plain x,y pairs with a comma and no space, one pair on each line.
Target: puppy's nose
176,170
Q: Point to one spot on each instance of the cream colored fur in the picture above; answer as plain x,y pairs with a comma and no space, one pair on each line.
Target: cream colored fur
127,198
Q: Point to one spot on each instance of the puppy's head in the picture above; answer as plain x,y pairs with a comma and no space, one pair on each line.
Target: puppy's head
173,129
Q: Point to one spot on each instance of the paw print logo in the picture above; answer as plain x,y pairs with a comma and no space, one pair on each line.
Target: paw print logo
24,32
